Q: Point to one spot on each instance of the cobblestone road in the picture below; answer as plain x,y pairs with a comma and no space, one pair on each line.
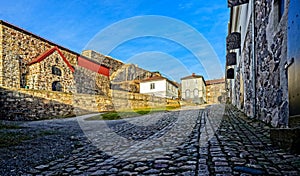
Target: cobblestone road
207,141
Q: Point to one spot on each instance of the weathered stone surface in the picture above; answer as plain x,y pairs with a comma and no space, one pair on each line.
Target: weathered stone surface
77,92
271,78
24,104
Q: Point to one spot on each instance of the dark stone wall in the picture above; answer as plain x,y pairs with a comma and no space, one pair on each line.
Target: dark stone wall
271,76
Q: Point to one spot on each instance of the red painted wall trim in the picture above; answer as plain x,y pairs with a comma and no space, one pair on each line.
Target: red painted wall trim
93,66
49,52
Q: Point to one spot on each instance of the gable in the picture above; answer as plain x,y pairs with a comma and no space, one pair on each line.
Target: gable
48,53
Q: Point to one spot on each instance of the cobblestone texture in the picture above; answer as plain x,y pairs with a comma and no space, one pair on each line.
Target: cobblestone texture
224,145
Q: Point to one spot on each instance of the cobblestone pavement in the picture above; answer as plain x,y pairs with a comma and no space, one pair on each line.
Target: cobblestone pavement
207,141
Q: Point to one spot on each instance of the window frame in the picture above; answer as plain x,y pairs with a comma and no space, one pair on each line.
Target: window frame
56,70
152,86
57,86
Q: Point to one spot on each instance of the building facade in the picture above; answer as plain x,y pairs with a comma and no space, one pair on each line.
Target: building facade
159,86
32,62
40,79
193,89
261,73
215,91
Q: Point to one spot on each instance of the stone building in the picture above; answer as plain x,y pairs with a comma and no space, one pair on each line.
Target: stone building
32,62
215,91
261,74
40,80
193,89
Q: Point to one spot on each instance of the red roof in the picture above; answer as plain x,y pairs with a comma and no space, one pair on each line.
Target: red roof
95,67
215,81
82,61
49,52
156,78
192,77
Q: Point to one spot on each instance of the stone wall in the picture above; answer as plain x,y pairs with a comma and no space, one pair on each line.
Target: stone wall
109,62
39,75
272,90
127,100
215,93
122,75
21,104
19,47
1,55
81,92
26,104
271,76
129,72
89,82
128,76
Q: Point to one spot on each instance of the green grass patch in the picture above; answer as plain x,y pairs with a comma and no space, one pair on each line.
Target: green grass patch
61,116
128,113
9,126
13,138
110,116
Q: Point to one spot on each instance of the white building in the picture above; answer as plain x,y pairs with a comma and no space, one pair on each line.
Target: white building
160,87
193,88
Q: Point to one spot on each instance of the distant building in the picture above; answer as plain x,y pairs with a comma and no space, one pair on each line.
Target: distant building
193,89
159,86
215,91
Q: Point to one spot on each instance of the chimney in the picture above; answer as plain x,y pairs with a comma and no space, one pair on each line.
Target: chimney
193,74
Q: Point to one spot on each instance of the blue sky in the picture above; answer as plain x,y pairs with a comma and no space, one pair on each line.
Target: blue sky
187,37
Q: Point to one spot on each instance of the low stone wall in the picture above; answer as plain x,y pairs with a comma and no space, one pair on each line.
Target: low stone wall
21,104
89,82
25,104
122,100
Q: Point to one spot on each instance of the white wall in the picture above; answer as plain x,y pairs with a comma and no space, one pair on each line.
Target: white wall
172,91
163,88
160,88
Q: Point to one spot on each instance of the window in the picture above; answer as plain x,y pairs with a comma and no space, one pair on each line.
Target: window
56,71
278,10
281,8
56,86
23,80
196,93
187,94
152,86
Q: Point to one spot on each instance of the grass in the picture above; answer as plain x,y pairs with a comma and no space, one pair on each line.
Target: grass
128,113
13,138
8,139
9,126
